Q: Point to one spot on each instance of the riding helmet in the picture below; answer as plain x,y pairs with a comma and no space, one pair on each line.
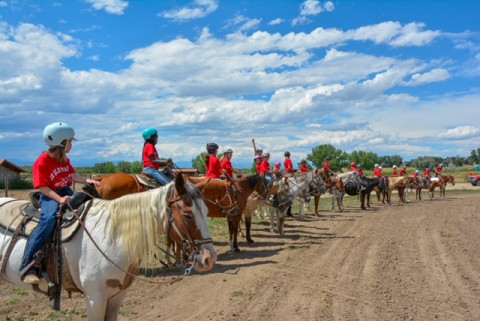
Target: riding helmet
286,154
54,134
227,150
329,158
278,164
353,164
211,147
149,133
394,166
266,154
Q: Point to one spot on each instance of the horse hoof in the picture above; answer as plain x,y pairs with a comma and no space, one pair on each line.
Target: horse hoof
250,241
236,250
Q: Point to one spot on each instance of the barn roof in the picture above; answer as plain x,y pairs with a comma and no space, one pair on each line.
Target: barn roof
13,167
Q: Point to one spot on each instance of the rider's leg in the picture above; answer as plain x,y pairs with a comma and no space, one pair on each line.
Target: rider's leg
158,176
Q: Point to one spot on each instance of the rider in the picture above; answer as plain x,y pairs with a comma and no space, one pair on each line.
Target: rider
258,160
288,163
53,175
427,173
303,167
214,169
226,164
326,166
359,169
277,171
417,173
403,171
378,171
438,170
353,167
151,162
265,167
395,173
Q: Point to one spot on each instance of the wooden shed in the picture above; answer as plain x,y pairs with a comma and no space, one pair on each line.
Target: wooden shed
9,170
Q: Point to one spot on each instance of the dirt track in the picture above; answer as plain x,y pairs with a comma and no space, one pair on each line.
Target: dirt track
418,261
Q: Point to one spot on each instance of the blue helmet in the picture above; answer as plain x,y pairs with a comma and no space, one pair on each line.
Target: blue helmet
149,133
54,134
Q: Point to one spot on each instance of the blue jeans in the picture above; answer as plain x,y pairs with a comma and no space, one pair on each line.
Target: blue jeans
158,176
48,220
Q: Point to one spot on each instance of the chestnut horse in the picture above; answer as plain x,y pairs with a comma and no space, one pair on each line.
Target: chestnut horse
115,185
229,199
441,182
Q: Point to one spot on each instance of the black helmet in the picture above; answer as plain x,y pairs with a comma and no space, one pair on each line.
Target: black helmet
329,158
303,161
286,154
212,147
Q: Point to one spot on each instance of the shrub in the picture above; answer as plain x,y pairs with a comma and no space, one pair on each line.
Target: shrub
17,183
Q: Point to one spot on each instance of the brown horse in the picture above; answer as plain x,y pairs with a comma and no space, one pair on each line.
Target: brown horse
229,199
334,186
441,183
115,185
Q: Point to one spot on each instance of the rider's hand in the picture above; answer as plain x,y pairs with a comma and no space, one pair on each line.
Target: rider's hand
64,199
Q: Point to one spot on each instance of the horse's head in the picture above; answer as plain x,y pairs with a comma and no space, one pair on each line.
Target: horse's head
260,186
317,186
188,226
451,179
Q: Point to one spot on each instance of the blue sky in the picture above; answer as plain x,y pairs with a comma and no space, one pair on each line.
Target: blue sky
390,77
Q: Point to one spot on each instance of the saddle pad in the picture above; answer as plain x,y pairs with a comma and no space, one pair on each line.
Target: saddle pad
150,182
11,217
434,179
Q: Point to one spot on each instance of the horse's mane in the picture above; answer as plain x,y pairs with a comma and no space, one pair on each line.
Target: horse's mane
137,219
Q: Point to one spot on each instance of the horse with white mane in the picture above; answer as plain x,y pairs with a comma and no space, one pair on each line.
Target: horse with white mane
125,230
316,188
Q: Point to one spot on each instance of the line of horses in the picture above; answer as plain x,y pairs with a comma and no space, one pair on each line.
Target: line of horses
125,225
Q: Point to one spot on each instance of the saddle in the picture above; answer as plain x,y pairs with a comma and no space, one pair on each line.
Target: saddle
146,180
20,218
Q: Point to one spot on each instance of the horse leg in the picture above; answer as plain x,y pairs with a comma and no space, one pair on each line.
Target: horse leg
300,210
362,200
272,226
248,228
96,304
233,232
280,221
316,199
113,306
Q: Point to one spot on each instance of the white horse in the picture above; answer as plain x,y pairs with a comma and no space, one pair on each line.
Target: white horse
292,186
316,188
125,230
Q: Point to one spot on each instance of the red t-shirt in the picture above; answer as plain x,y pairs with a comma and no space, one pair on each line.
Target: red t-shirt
359,171
327,165
148,151
304,169
227,165
415,175
48,172
353,169
213,169
377,172
288,165
264,167
395,173
427,174
403,172
438,170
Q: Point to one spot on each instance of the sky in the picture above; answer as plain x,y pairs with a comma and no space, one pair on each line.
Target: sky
388,77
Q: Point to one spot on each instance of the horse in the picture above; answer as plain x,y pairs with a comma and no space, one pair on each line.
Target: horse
336,186
104,256
423,183
398,183
229,199
292,186
316,188
411,183
441,182
115,185
368,184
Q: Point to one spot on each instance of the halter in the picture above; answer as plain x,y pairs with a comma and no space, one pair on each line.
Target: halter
188,244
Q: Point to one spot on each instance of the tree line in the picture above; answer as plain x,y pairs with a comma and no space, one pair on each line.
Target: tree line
316,159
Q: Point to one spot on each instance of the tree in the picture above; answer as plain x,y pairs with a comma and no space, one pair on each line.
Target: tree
124,167
320,153
475,156
199,162
389,161
137,167
366,159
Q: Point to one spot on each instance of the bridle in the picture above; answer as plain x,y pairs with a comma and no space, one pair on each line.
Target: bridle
190,247
232,209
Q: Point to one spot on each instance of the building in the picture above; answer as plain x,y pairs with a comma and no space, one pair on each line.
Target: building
9,170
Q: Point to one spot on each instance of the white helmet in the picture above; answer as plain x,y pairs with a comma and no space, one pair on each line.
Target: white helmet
227,150
54,134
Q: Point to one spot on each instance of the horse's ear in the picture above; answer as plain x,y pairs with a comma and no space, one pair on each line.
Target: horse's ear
180,185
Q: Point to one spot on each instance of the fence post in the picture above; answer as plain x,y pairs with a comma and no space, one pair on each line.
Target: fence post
7,186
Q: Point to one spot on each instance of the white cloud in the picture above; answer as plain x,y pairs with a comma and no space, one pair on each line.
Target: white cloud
199,9
434,75
461,132
311,8
276,22
111,6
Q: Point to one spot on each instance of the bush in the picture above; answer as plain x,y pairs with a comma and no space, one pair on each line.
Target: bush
17,183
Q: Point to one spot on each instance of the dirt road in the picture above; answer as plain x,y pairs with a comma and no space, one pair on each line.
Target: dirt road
418,261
